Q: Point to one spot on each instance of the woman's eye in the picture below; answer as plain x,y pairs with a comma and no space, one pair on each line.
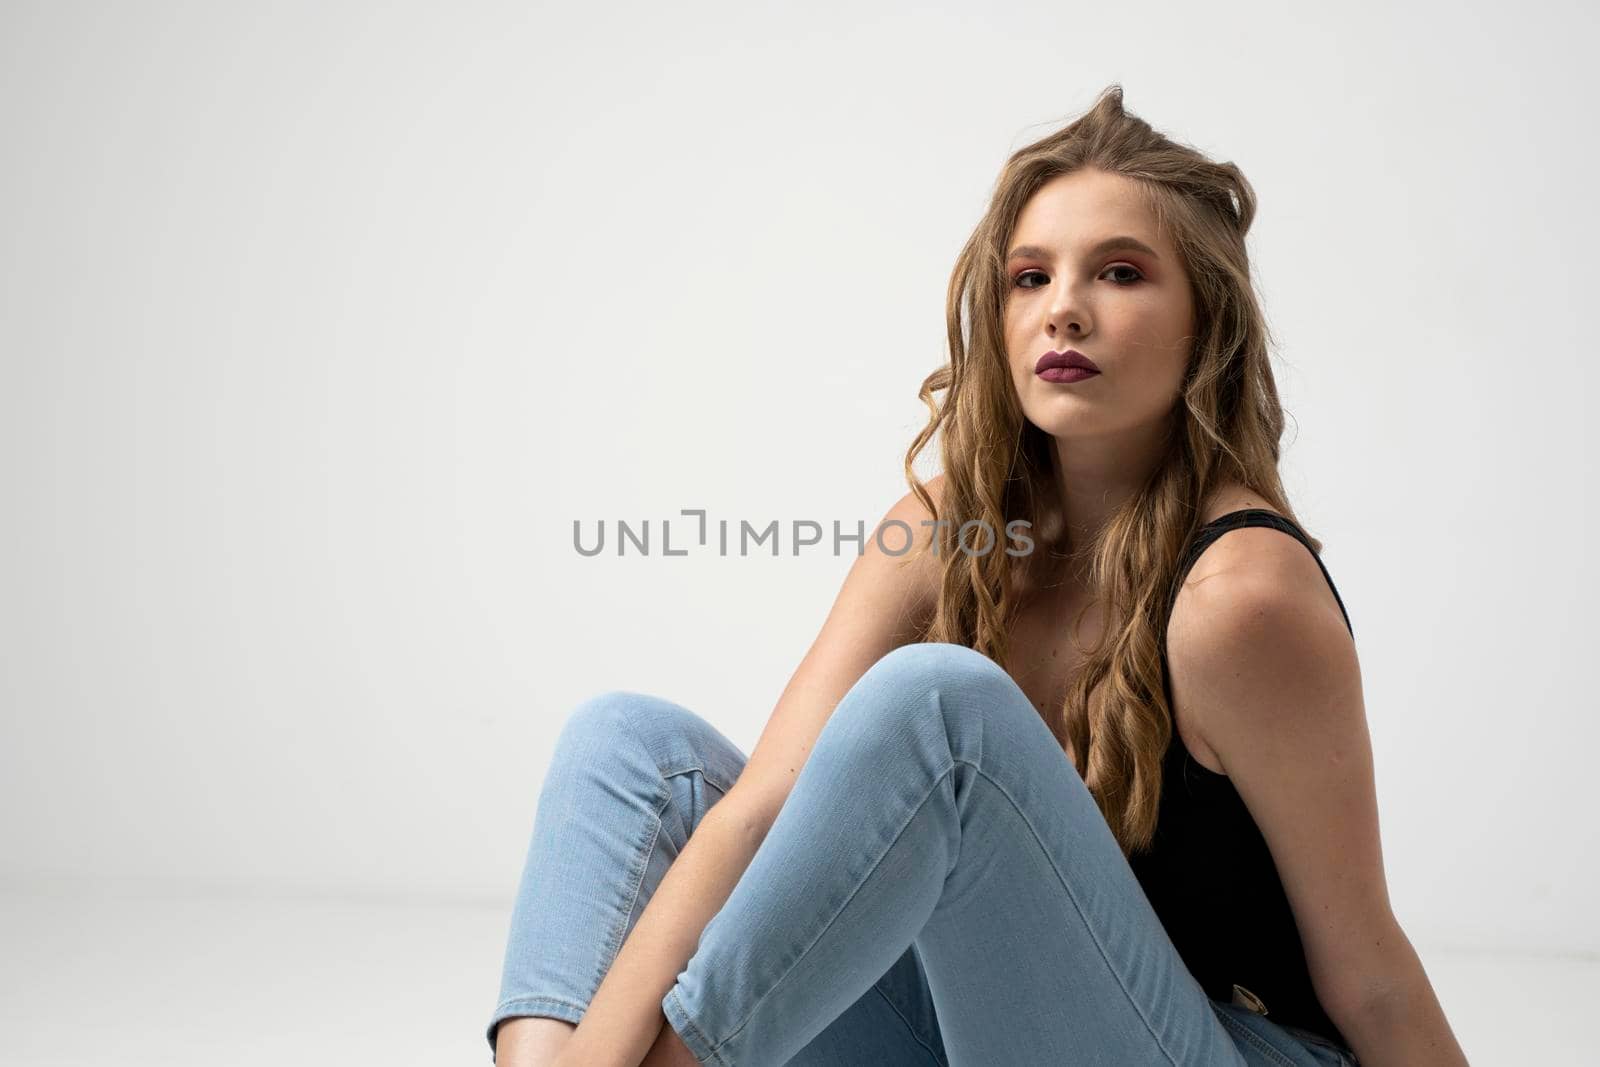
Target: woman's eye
1125,281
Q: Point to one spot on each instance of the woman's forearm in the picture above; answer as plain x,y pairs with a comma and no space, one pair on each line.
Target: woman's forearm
1403,1023
624,1018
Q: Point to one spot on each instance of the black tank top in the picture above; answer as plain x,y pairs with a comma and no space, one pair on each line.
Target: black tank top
1208,872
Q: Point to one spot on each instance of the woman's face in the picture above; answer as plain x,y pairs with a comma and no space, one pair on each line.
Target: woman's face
1075,282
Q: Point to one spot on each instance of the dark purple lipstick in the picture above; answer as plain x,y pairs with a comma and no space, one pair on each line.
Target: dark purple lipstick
1068,366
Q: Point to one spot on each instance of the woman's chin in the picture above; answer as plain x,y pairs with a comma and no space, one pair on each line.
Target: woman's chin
1056,422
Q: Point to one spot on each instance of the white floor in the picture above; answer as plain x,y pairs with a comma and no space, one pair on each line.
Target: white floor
98,977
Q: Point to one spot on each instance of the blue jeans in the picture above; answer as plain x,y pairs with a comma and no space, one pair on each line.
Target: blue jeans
939,888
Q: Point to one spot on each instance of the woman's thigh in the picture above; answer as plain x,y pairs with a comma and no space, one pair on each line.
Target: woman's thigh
936,810
1043,946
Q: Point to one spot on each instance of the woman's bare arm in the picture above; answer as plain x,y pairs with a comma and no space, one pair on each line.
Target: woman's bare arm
885,602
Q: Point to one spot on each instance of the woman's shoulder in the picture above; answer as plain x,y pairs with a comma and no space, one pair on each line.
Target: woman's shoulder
1249,573
1256,549
906,534
910,509
1255,581
1232,497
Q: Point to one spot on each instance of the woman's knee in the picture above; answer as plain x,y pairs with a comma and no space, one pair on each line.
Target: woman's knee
674,738
941,665
621,715
927,679
909,713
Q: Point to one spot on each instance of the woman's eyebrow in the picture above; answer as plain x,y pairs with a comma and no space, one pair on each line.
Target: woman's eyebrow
1110,244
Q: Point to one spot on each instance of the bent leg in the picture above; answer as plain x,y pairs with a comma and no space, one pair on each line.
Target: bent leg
631,778
937,810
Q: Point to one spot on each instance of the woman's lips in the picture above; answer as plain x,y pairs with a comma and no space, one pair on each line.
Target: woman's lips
1066,374
1069,358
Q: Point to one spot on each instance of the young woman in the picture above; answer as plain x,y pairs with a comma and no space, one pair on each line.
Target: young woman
1106,801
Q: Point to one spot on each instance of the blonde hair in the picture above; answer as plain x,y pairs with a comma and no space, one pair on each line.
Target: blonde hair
998,467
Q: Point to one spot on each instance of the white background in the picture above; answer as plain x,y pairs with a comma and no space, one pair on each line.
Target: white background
322,323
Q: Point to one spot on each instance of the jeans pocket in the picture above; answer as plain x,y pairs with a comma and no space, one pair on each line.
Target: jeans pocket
1264,1041
1325,1050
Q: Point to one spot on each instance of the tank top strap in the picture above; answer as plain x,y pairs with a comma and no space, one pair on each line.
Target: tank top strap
1233,520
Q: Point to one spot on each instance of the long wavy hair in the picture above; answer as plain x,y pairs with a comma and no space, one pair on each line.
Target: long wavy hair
999,467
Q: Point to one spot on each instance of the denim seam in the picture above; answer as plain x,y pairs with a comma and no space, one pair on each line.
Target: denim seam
520,1003
643,851
916,1035
520,1007
641,863
1093,935
688,1020
698,765
915,811
701,771
1261,1044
